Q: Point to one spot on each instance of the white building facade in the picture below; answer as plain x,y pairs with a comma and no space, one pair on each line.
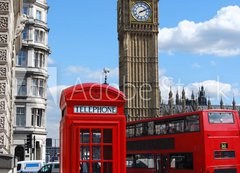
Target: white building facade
31,83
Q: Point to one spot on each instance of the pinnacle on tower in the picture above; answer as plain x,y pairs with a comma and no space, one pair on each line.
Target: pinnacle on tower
234,103
170,102
177,99
221,104
209,104
183,101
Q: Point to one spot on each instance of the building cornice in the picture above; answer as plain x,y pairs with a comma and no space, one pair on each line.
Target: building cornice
42,5
30,71
32,130
37,23
31,44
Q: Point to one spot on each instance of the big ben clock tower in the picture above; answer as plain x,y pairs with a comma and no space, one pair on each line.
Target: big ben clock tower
138,57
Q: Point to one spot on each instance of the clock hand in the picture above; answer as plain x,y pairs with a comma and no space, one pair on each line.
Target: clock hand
142,10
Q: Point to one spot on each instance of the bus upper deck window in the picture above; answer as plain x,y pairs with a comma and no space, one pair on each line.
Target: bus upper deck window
220,118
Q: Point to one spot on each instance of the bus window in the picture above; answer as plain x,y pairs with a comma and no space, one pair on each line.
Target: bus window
176,126
139,130
181,161
130,131
224,154
140,161
192,123
164,163
161,129
129,161
220,118
151,128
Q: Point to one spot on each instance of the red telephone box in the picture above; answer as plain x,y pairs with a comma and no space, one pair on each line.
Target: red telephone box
92,129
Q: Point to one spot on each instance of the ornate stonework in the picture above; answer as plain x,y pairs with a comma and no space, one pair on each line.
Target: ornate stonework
2,105
4,6
3,55
3,38
3,72
1,139
2,122
3,23
2,88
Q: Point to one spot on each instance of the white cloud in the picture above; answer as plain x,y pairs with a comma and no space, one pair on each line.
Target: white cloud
219,36
214,89
91,74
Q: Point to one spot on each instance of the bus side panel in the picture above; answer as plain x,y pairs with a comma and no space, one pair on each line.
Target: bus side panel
191,143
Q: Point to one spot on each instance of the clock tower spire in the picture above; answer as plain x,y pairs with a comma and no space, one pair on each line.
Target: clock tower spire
138,57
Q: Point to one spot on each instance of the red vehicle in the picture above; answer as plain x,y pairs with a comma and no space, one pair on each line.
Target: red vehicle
198,142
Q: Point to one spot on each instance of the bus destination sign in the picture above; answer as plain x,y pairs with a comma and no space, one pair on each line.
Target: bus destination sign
95,109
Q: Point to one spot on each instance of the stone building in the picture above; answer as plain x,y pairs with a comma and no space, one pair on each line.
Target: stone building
11,25
182,104
138,57
31,83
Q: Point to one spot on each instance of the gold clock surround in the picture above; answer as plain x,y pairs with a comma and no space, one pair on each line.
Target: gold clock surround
133,19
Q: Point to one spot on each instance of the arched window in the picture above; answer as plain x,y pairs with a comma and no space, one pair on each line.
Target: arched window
19,153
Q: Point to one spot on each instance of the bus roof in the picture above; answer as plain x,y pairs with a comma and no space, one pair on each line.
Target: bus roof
180,115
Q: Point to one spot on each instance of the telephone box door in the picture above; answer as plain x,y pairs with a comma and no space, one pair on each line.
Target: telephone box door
97,148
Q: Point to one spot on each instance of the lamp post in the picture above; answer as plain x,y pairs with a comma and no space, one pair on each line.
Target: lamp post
105,71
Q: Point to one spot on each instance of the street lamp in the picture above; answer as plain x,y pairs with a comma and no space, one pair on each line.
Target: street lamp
106,71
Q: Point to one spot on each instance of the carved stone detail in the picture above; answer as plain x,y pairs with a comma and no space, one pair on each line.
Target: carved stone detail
4,6
2,122
1,139
3,22
2,88
2,105
3,55
21,21
3,38
3,71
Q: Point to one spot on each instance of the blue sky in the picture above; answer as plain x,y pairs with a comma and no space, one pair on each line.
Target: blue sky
199,44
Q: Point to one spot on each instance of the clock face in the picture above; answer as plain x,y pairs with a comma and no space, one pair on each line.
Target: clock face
141,11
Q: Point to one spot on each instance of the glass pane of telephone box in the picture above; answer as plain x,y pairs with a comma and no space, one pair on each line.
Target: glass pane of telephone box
107,136
107,167
84,167
84,136
84,153
96,167
107,152
96,153
96,136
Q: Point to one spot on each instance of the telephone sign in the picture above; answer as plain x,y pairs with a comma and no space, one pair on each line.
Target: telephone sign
96,109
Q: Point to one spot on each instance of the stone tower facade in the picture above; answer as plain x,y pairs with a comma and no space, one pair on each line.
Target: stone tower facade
138,57
11,24
31,83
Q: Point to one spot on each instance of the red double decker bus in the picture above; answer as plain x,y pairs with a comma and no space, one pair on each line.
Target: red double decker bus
198,142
